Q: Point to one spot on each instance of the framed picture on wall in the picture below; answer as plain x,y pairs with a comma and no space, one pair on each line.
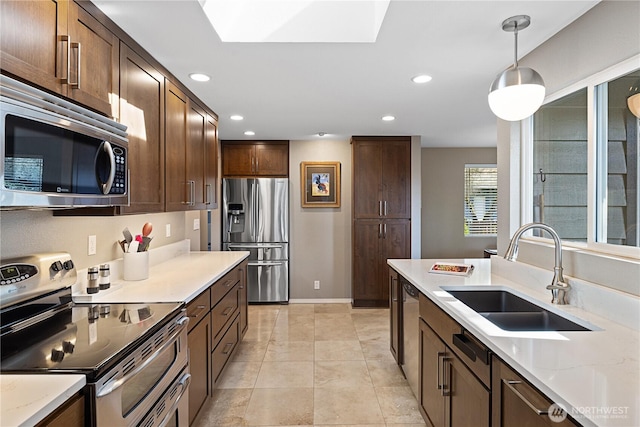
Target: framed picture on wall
320,184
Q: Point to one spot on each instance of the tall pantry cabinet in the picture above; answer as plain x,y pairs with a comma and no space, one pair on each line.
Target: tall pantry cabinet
381,214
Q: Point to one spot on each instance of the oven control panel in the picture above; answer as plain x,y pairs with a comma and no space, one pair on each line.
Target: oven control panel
29,276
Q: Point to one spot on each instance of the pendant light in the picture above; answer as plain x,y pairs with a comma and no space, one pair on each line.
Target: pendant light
517,92
633,101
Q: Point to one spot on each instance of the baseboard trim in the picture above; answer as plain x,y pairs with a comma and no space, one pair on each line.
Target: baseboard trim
321,301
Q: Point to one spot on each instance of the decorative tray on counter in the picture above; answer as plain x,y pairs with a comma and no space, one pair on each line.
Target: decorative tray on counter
451,268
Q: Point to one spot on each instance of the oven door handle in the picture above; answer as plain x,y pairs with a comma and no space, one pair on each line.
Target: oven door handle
113,385
184,382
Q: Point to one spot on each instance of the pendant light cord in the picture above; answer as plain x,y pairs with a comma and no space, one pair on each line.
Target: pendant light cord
515,49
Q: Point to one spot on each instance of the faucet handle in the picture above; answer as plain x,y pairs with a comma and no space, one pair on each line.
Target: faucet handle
558,292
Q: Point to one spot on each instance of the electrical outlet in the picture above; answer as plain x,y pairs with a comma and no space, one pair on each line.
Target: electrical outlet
316,284
196,223
167,230
91,246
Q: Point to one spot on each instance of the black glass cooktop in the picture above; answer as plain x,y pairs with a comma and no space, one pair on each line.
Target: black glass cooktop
83,338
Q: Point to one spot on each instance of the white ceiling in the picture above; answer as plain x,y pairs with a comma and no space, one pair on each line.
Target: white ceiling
295,90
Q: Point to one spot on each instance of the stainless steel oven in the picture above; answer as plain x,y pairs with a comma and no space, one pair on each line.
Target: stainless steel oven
134,356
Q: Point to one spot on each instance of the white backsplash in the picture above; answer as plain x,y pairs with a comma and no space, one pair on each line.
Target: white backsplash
156,256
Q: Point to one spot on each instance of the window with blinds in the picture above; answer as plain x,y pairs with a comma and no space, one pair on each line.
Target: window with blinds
480,200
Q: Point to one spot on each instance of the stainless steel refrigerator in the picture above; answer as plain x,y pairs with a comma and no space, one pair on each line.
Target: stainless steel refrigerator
255,218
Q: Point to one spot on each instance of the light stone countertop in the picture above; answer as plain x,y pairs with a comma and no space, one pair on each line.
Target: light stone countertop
595,374
28,399
178,279
176,276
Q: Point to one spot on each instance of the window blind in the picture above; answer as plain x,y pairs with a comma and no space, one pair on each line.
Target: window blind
480,200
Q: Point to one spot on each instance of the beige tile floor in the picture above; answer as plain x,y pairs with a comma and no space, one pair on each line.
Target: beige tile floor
313,365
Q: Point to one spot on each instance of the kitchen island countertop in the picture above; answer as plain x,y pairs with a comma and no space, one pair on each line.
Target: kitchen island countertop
595,374
28,399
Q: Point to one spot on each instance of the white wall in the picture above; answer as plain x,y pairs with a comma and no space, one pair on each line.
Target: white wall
604,36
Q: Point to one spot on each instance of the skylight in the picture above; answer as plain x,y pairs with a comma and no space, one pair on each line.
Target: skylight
296,21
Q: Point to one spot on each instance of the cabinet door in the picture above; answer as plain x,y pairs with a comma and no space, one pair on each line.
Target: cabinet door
237,159
396,179
395,295
367,167
242,299
31,41
199,365
94,57
432,399
468,400
69,414
515,403
272,160
211,163
395,244
142,110
175,148
366,263
195,156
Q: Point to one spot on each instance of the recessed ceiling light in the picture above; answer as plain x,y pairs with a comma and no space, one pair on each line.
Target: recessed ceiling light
249,133
236,117
422,78
388,118
199,77
322,134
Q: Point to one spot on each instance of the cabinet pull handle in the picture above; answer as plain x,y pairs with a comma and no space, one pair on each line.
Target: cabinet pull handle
227,348
446,390
229,283
197,313
379,207
511,384
385,208
379,231
227,311
76,46
253,169
65,38
441,355
206,194
470,348
384,235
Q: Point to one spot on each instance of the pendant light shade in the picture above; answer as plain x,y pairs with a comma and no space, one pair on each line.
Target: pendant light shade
633,101
517,92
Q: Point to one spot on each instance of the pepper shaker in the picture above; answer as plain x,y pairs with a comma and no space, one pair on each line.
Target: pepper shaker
92,280
105,279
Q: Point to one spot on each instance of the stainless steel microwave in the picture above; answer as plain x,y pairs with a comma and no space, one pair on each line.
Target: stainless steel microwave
55,154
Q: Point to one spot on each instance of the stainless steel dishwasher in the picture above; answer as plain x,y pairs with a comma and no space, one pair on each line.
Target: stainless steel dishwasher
410,325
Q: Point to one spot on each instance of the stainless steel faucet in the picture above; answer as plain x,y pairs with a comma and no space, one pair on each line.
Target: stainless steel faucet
558,286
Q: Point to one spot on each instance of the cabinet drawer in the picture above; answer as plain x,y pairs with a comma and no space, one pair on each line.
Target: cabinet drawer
220,288
473,353
198,309
223,351
223,312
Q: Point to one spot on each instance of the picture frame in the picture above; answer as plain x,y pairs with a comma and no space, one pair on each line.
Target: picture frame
320,184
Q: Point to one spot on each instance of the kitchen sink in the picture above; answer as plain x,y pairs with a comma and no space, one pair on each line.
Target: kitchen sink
512,313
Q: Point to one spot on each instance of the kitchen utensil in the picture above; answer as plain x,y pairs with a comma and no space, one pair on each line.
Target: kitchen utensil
122,245
127,235
144,245
133,246
147,228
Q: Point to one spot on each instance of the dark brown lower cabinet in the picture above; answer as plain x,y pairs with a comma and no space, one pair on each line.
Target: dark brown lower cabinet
395,315
69,414
199,367
450,394
518,404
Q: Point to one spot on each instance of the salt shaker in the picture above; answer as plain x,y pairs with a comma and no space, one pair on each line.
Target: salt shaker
105,279
92,280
